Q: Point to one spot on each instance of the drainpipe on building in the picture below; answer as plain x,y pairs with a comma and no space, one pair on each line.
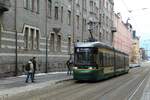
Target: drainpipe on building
46,40
99,20
82,18
0,32
16,41
73,22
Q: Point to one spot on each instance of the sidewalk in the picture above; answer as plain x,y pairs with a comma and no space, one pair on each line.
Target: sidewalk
15,85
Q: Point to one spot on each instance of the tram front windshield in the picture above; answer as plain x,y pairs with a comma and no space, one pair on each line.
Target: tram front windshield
85,56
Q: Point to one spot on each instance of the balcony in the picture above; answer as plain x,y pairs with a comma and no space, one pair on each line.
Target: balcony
4,5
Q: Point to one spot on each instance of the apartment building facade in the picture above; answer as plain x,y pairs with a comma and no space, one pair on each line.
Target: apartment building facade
47,29
123,36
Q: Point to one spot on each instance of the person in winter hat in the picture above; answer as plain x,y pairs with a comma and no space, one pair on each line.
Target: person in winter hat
30,72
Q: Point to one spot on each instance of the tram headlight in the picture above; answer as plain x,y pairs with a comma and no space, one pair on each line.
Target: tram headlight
90,68
75,67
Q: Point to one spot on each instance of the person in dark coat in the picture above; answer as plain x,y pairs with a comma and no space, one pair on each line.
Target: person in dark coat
69,64
29,70
34,66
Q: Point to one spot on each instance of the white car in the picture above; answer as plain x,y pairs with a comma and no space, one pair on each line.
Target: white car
134,65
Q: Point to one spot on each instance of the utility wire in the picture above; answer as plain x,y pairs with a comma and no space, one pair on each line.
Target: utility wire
129,12
125,5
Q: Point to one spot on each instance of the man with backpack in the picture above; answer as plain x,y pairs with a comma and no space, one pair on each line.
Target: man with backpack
29,69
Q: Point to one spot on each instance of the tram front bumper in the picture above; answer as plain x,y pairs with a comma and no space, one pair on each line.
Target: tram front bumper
85,74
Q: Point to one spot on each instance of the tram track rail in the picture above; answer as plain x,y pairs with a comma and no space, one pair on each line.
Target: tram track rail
74,91
109,89
146,76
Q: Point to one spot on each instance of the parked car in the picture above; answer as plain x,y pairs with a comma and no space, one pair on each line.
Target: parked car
134,65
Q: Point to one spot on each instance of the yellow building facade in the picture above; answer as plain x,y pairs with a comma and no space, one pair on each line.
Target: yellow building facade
135,56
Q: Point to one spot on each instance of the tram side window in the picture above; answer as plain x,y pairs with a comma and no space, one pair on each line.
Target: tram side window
126,61
122,63
110,59
117,61
105,56
104,59
107,59
100,59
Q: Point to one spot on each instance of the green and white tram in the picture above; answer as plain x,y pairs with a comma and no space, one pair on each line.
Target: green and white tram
97,61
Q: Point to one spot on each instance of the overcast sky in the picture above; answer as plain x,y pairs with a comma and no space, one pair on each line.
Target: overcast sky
139,18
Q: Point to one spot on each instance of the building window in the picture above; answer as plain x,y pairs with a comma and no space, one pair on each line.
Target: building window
91,6
56,13
31,38
62,14
84,4
30,4
100,20
50,7
37,39
78,21
77,2
69,17
52,43
69,45
37,6
26,37
25,3
70,2
58,43
32,8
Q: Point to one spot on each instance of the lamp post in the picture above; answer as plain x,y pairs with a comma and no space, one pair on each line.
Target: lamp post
46,52
16,41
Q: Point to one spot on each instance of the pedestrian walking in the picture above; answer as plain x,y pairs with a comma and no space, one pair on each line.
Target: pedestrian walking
29,70
34,66
69,64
